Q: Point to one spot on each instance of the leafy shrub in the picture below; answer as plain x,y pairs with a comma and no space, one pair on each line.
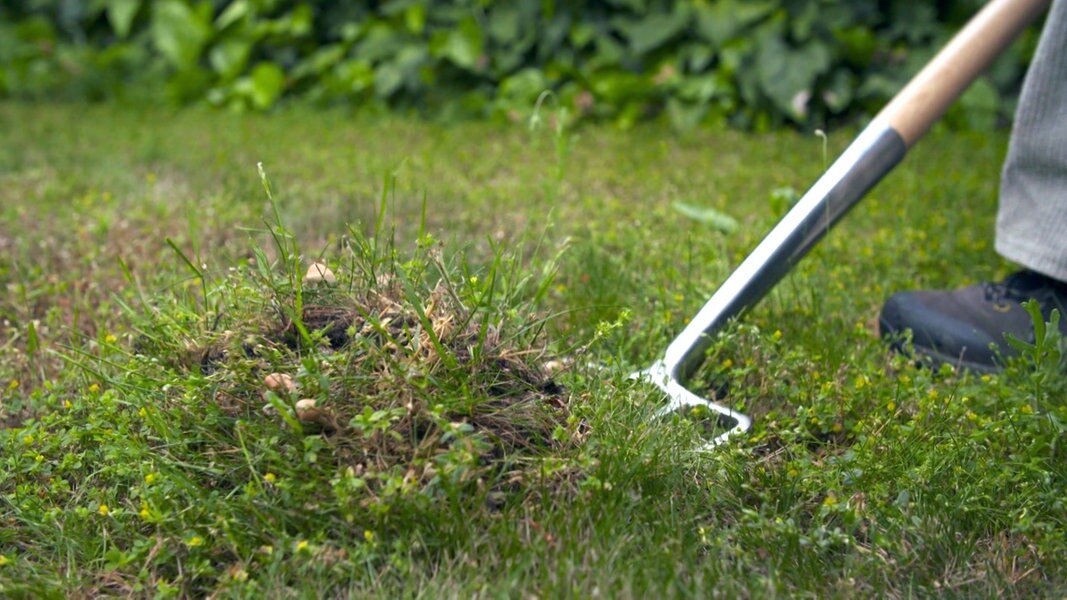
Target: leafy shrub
753,64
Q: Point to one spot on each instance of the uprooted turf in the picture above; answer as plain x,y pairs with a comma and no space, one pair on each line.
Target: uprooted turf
186,412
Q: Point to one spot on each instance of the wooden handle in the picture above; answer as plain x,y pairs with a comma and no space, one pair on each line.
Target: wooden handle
929,94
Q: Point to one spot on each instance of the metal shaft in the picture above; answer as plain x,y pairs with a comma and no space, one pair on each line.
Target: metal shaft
873,154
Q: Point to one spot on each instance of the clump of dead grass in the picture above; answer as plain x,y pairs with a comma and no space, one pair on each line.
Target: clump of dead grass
420,385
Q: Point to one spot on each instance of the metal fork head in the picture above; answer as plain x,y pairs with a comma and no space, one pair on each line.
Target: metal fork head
679,398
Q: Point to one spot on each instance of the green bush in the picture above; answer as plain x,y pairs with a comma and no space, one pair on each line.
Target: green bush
751,63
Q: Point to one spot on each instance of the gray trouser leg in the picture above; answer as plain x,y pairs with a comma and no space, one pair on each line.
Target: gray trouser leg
1032,221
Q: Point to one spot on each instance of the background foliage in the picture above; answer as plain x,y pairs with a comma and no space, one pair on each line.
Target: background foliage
750,63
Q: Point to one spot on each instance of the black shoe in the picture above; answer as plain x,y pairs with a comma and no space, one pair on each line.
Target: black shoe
967,327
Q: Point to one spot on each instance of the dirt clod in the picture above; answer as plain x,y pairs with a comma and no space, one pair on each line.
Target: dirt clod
319,273
279,383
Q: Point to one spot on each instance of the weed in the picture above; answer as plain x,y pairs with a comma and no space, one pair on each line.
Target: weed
560,136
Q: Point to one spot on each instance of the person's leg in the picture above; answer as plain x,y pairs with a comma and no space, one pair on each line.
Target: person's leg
967,327
1032,221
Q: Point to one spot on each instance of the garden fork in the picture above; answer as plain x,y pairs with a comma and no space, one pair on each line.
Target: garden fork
874,152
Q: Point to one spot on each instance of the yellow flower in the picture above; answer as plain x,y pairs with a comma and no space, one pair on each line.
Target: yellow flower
142,413
94,388
67,404
302,546
369,536
270,477
103,510
151,478
1027,409
194,541
891,406
145,513
4,560
110,339
13,384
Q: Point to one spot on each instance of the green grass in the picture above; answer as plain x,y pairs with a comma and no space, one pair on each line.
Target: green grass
476,430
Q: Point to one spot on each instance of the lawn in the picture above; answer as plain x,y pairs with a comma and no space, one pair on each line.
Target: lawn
185,413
